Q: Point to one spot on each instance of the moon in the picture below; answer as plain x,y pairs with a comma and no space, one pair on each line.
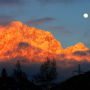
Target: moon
85,15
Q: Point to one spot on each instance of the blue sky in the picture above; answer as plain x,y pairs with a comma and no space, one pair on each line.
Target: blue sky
63,18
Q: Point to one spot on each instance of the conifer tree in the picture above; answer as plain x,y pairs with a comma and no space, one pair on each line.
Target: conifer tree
47,74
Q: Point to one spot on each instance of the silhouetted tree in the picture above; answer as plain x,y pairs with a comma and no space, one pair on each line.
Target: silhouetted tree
18,74
4,73
78,71
47,74
4,80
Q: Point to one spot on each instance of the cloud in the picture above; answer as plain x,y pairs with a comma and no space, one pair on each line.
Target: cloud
11,2
60,29
59,1
55,1
39,22
4,20
23,45
80,53
88,51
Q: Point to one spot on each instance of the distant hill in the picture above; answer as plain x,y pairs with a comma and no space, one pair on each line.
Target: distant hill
79,82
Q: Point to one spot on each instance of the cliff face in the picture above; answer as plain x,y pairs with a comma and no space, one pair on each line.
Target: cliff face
77,47
17,40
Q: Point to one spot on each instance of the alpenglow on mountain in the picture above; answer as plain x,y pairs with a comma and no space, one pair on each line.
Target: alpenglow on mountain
19,40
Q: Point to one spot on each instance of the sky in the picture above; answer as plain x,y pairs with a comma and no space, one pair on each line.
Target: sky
63,18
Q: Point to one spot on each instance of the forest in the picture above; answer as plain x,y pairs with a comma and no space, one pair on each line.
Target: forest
44,80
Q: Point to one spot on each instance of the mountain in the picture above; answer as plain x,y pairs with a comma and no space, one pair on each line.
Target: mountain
19,40
78,47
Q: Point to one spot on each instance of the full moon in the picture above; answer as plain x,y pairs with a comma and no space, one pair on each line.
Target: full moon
85,15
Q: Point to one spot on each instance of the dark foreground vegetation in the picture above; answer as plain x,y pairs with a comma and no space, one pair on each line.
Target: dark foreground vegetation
44,80
79,82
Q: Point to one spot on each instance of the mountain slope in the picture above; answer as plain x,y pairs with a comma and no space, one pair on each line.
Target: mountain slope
17,39
34,44
78,47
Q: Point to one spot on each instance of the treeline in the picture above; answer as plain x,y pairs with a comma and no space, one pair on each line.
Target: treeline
44,80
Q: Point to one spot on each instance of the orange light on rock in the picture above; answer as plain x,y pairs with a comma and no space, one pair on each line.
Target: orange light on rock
17,39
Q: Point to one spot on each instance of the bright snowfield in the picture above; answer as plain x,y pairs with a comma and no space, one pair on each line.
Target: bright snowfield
33,46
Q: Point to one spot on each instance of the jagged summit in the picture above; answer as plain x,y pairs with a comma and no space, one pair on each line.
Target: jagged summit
16,23
77,47
81,47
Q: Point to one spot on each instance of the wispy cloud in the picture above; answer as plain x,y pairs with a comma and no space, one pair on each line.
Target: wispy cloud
58,29
55,1
5,19
80,53
11,2
60,1
40,21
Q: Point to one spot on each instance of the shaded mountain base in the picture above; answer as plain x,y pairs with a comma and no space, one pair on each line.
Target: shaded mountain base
11,84
79,82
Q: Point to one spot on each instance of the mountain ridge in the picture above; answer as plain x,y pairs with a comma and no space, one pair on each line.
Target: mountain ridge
17,39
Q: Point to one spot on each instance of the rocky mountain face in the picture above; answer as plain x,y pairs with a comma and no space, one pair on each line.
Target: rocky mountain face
34,44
